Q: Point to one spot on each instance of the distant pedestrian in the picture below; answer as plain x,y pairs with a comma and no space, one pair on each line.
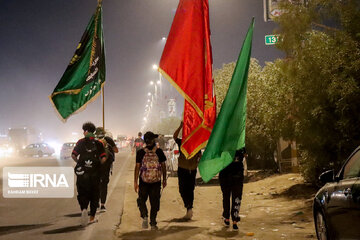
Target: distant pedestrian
106,168
187,169
231,182
138,143
88,154
131,144
150,165
161,142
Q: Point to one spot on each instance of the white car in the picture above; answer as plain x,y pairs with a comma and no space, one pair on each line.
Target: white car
66,150
37,149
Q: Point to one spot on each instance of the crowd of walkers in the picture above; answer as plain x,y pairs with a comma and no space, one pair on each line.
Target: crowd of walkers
95,153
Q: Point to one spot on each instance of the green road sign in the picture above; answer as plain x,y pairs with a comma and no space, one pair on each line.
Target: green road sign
271,39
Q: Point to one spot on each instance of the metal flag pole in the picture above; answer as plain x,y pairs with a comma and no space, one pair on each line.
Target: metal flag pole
103,91
103,106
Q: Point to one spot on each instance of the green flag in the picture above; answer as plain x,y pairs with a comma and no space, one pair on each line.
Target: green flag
228,134
85,75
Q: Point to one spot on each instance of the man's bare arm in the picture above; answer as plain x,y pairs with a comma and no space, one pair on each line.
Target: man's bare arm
177,131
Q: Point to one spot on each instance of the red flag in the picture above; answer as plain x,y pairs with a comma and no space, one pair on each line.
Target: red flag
186,63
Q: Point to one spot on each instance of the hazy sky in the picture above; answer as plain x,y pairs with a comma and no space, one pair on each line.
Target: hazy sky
39,37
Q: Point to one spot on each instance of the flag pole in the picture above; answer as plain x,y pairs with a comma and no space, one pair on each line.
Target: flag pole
103,91
103,106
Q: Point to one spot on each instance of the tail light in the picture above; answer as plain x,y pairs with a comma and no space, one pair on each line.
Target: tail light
176,151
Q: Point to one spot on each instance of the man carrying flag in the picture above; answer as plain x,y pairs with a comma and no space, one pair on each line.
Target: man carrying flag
84,77
186,63
226,147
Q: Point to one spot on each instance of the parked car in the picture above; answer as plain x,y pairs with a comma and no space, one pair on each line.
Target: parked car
336,206
37,149
67,149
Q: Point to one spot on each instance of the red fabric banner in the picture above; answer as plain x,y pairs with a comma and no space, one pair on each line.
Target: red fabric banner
186,63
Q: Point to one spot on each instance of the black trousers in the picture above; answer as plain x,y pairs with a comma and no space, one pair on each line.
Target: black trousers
232,186
186,186
151,190
104,180
88,192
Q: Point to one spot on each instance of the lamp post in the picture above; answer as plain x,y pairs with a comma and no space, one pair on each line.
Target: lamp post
152,83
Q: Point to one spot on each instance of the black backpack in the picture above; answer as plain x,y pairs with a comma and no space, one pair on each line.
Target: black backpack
89,162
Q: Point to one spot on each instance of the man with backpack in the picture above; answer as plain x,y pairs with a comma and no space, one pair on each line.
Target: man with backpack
88,154
110,150
150,165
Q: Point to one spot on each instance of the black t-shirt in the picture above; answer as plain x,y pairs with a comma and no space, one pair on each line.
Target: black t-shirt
235,168
141,153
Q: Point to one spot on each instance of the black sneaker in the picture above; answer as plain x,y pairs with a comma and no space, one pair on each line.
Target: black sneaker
154,227
235,227
226,222
102,208
145,223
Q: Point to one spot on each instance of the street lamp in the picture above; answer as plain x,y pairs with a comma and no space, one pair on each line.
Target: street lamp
155,67
158,82
151,83
163,38
149,94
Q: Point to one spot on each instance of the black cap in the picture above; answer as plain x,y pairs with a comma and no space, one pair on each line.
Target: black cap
148,136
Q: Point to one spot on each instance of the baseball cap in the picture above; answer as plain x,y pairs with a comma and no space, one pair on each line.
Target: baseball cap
148,136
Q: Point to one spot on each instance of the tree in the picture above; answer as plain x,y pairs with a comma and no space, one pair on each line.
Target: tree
322,77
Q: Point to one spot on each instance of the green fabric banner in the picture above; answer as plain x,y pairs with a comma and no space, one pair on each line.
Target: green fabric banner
228,134
84,77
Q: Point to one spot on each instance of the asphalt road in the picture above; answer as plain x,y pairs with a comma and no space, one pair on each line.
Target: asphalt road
58,218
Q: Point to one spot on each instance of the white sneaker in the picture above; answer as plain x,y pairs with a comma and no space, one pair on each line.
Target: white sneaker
84,218
189,214
145,223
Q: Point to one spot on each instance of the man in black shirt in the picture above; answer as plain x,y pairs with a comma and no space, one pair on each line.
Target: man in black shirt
150,165
88,154
110,150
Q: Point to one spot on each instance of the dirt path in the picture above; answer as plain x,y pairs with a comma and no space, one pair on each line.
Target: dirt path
278,207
